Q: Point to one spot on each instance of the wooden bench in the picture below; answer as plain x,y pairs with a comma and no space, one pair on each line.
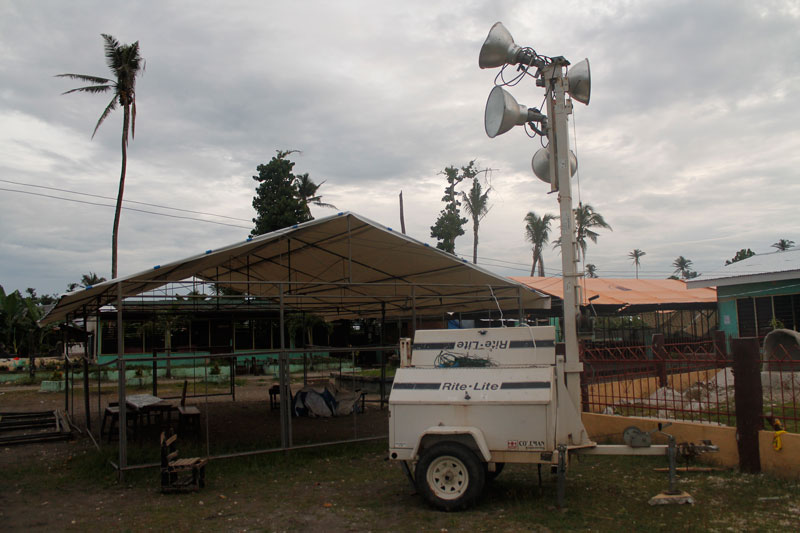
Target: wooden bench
188,415
180,475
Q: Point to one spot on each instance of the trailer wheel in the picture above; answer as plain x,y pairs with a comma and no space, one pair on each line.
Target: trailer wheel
491,476
450,476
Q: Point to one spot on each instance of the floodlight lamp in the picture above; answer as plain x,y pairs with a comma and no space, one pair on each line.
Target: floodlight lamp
503,113
580,82
498,49
541,164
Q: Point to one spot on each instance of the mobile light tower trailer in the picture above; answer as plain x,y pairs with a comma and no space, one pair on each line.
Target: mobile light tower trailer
465,402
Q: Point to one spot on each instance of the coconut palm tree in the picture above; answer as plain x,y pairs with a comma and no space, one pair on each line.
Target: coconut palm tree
783,244
591,270
587,218
537,232
636,255
307,193
683,267
586,221
125,64
476,204
87,280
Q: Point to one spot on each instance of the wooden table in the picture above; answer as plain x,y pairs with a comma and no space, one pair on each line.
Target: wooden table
147,404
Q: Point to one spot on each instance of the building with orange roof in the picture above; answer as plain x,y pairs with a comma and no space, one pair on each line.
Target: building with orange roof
632,310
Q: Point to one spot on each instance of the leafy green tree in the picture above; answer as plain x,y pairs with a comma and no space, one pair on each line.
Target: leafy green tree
783,244
450,223
587,220
683,269
476,204
125,64
537,232
744,253
19,329
13,318
308,194
45,299
277,200
591,270
636,256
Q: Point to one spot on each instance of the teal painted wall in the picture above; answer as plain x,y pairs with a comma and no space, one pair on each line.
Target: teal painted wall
770,288
728,319
727,295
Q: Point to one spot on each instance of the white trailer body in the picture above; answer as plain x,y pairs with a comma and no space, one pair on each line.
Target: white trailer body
497,393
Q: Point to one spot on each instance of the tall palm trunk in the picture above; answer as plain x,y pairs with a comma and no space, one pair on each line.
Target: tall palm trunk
475,243
118,210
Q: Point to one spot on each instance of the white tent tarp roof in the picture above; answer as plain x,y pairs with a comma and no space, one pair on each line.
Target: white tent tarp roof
342,266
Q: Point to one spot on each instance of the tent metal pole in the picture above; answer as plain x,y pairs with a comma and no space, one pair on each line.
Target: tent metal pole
283,377
349,253
413,312
86,373
123,410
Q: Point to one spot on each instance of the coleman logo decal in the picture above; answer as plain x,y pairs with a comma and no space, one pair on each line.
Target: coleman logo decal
525,445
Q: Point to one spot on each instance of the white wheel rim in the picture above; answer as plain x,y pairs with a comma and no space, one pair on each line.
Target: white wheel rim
448,477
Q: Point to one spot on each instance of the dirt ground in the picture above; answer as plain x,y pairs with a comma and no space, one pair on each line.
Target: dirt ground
228,426
70,486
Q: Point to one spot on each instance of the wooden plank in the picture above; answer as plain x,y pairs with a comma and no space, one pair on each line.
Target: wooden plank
691,469
64,422
171,440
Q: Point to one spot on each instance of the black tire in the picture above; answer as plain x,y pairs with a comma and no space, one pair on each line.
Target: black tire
450,476
491,476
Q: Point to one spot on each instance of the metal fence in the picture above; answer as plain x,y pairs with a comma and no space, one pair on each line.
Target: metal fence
684,381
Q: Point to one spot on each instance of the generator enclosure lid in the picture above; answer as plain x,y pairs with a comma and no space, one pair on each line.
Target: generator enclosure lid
472,386
484,347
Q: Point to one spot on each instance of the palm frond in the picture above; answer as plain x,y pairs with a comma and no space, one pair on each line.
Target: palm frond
90,89
84,77
112,105
112,52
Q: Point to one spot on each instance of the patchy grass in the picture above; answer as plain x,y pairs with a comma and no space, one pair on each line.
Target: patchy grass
353,488
376,372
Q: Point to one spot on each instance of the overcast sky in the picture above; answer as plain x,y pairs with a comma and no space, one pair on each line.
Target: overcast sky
690,145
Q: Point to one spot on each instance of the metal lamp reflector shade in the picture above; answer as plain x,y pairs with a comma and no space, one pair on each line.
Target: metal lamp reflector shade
503,113
541,164
580,82
498,49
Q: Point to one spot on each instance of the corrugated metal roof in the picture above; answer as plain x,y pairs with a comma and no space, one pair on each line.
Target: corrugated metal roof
342,266
773,266
624,291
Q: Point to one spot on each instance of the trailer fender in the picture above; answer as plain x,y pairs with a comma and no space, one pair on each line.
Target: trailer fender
471,437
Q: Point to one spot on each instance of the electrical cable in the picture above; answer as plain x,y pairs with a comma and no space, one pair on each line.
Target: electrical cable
124,201
126,208
447,359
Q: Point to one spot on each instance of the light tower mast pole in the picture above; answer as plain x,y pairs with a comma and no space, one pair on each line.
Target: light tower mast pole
558,108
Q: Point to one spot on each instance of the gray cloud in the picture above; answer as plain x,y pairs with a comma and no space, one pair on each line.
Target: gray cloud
689,146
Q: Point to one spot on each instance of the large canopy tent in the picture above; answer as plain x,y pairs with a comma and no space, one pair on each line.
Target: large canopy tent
342,266
339,267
